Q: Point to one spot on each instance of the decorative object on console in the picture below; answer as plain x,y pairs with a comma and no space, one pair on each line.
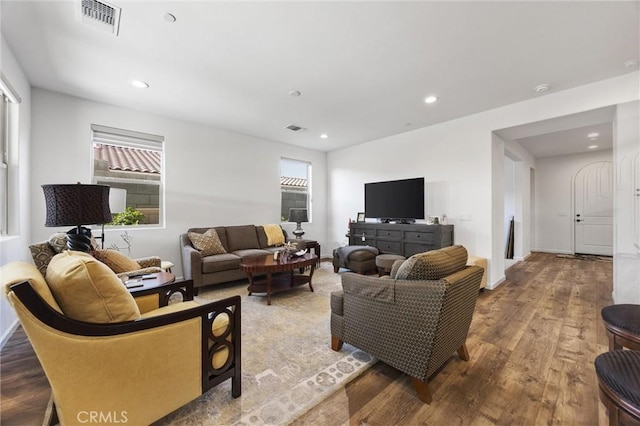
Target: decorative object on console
433,220
361,217
298,216
77,205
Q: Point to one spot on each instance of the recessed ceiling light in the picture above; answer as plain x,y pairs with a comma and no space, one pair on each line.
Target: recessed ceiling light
139,84
542,87
324,136
593,135
592,146
633,63
169,17
431,99
295,93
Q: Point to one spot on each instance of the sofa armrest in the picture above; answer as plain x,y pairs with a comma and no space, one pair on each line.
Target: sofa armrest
148,262
191,261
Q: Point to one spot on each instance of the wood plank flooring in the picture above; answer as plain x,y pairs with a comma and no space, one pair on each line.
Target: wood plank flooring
532,344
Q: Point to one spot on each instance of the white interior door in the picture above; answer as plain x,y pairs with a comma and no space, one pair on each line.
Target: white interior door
593,221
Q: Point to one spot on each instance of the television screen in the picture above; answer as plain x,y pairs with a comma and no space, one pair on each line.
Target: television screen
397,199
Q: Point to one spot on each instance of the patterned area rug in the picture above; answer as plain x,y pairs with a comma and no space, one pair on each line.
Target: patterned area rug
287,363
586,257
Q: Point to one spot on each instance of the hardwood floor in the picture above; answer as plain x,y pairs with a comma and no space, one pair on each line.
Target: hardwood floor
532,344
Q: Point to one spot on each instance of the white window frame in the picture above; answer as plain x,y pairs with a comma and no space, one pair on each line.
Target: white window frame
309,184
131,139
9,104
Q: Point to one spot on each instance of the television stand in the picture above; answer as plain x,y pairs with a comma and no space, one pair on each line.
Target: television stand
402,239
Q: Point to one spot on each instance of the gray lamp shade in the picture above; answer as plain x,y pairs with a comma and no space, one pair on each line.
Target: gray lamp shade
298,215
76,204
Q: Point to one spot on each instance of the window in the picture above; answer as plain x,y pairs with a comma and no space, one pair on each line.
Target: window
9,101
132,162
295,186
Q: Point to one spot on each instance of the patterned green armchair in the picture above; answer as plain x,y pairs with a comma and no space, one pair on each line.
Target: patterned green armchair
43,252
414,320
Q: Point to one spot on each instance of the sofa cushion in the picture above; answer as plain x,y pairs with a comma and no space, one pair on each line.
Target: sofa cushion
87,290
220,262
208,243
116,261
242,237
252,253
433,265
42,253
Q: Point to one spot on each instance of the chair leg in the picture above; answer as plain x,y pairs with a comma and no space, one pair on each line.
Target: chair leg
336,344
336,269
423,390
463,352
236,385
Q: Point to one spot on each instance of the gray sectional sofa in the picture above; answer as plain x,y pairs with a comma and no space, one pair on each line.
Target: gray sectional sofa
239,242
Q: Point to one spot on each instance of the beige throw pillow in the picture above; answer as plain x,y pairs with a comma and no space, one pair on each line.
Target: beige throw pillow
208,243
87,290
116,261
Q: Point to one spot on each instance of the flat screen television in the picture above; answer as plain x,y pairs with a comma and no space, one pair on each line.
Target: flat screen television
401,200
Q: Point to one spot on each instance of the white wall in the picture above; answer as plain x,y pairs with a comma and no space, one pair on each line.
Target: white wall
554,199
213,177
509,198
626,253
456,159
15,246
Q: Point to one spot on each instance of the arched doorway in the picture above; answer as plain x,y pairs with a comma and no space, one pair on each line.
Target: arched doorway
593,209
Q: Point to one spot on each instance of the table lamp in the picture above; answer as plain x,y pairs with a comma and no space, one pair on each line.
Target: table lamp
298,216
77,205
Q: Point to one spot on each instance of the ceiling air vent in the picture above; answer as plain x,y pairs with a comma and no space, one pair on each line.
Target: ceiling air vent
294,127
100,15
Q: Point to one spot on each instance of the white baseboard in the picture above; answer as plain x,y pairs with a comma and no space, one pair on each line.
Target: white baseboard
553,251
7,334
492,286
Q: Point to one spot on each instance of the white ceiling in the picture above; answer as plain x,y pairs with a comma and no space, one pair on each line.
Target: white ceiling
363,68
565,135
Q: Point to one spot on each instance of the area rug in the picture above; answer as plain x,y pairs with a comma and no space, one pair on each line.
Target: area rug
288,366
592,257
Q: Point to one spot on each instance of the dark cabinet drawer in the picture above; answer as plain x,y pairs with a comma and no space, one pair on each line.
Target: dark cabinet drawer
388,234
422,237
389,246
410,248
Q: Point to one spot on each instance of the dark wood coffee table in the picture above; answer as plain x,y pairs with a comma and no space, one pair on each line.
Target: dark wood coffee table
163,284
272,284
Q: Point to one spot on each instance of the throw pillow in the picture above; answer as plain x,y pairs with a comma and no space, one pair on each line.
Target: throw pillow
87,290
116,261
433,265
58,241
208,243
275,236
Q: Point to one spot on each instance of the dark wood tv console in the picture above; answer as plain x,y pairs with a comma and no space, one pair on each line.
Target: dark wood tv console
405,240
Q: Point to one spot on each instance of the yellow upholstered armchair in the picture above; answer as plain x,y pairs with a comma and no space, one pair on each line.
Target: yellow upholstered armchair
102,356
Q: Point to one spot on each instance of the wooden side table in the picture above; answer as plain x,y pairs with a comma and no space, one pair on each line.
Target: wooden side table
163,284
308,245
